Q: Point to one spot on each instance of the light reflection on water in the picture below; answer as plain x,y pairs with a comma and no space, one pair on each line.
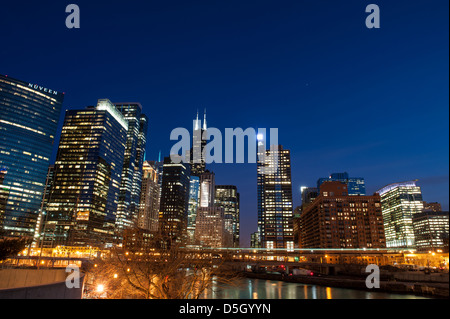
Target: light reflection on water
270,289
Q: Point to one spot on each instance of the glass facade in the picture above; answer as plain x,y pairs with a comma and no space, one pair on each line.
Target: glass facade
431,230
149,202
130,185
227,197
85,191
275,211
29,115
399,203
194,199
356,185
174,199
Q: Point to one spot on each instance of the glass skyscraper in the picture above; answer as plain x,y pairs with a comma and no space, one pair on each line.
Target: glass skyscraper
83,199
130,185
275,211
174,199
227,197
399,203
355,185
29,115
194,199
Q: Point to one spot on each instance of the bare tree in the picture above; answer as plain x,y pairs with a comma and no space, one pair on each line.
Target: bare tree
150,266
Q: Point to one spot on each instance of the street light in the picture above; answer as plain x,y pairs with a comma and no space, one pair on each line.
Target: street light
100,288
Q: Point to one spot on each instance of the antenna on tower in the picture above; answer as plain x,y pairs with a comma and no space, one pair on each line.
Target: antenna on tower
204,120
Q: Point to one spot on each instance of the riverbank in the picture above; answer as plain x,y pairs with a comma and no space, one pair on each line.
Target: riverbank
428,289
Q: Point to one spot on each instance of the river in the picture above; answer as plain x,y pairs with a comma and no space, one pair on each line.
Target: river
246,288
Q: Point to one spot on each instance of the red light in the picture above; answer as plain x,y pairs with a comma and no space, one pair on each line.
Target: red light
311,273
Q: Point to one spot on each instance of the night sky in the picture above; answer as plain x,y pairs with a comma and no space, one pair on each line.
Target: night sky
372,102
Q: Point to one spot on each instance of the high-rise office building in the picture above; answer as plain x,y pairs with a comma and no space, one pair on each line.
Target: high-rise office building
39,230
29,115
431,230
339,220
275,198
207,189
356,185
194,200
83,200
150,196
227,197
174,199
399,203
131,180
198,161
4,194
210,228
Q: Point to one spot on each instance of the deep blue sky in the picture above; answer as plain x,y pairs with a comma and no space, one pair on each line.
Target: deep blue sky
372,102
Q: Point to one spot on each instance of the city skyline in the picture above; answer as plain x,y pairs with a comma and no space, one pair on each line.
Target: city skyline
384,120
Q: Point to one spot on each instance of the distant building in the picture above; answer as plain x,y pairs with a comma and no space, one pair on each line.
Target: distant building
210,228
210,222
207,189
309,194
432,207
29,115
174,200
82,204
255,241
194,199
431,231
227,197
356,185
149,200
399,203
198,161
339,220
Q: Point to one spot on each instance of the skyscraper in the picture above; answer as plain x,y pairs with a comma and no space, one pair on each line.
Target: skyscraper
198,161
194,200
150,196
83,199
275,198
131,180
207,189
210,227
399,203
174,199
29,115
227,197
356,185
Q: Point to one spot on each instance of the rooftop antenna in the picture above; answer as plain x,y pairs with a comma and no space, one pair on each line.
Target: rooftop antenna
204,120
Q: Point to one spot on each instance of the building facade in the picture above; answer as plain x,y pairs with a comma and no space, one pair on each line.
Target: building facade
338,220
83,199
131,179
227,197
150,196
431,231
399,203
356,185
29,115
198,160
275,208
194,199
174,200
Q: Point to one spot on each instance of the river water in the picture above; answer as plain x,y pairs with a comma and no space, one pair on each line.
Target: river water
247,288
